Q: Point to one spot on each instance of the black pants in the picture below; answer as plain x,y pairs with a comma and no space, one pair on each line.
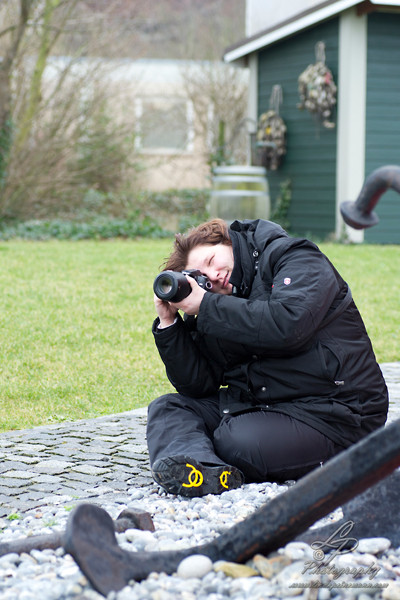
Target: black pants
264,445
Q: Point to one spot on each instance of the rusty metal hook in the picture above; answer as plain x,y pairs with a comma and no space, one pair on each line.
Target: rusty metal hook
359,214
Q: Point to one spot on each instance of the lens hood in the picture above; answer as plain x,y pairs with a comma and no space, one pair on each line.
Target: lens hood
171,286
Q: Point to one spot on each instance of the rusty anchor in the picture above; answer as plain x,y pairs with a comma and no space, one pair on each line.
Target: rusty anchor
134,518
90,536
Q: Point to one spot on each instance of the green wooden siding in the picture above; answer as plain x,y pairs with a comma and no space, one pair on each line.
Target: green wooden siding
383,117
310,162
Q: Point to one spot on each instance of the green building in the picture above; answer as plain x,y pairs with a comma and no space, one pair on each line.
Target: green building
327,165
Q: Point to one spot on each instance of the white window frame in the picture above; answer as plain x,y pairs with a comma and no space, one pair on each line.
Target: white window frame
189,146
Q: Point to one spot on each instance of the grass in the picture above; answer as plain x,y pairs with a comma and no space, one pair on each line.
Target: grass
373,273
75,321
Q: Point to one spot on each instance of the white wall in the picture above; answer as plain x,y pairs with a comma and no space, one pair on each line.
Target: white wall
262,14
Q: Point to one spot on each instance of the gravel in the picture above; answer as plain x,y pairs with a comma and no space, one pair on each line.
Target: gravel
372,570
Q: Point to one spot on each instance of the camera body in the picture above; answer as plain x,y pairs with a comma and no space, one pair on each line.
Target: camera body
172,286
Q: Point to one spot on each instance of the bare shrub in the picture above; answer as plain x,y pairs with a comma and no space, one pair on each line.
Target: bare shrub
219,95
58,136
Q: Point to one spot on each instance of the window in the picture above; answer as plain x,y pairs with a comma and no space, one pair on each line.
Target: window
164,124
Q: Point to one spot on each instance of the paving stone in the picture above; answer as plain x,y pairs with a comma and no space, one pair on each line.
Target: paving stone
31,449
56,499
88,469
69,446
28,460
118,476
102,465
73,492
3,468
117,485
19,474
139,481
4,498
78,434
101,447
41,438
134,471
140,458
100,490
43,488
13,465
46,479
82,477
123,468
76,484
5,443
11,486
52,467
31,496
134,448
117,439
121,461
61,453
92,457
69,439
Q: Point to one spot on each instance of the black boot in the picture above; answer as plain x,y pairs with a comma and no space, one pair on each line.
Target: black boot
186,476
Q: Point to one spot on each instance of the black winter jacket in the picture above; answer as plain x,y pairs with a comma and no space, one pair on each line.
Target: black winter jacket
289,339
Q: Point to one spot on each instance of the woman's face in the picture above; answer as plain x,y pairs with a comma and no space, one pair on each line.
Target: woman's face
216,262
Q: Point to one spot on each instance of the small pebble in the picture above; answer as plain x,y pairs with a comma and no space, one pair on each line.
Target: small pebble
232,569
373,545
196,565
297,550
392,592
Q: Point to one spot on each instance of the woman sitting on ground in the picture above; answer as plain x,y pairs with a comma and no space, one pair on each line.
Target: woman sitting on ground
273,368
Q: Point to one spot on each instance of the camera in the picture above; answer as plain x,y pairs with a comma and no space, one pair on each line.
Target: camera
173,286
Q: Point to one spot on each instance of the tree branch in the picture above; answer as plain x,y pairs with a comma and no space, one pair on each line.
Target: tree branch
9,57
8,30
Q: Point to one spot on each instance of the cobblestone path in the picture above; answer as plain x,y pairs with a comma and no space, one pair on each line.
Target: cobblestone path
96,458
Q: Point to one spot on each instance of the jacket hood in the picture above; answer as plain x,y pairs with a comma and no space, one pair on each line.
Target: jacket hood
249,240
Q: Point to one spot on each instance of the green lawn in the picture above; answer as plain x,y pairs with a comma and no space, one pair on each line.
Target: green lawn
75,323
373,273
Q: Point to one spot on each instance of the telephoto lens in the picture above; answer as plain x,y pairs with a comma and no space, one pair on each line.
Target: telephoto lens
171,286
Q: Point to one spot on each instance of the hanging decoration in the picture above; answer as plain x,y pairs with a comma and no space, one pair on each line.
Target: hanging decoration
317,89
271,132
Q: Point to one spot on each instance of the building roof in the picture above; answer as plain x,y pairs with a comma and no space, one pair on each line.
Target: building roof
308,18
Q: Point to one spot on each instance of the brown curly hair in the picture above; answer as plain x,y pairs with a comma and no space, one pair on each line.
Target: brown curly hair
212,232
